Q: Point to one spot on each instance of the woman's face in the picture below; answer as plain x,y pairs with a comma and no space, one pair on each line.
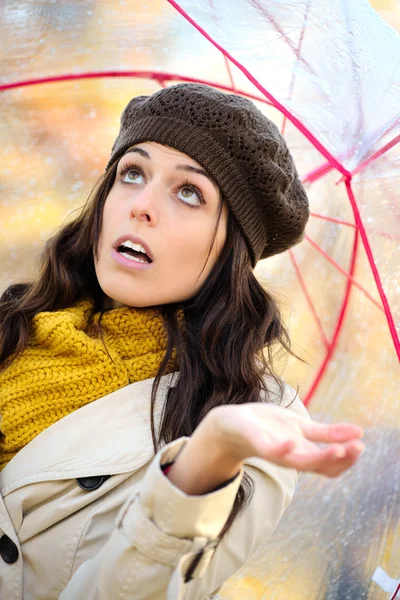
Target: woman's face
164,202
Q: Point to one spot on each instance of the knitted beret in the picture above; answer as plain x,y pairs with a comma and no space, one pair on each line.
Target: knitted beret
241,149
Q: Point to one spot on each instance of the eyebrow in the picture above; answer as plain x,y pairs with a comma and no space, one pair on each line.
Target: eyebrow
188,168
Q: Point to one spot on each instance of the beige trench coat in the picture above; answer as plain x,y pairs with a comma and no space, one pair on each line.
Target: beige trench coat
131,535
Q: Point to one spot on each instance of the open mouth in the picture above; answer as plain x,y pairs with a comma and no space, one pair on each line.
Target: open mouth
133,252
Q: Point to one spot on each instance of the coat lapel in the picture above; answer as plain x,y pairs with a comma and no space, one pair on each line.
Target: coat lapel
109,436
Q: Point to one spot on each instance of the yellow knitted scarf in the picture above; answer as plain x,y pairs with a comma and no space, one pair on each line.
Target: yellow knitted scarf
66,366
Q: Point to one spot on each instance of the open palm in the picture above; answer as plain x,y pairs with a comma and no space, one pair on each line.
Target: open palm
286,438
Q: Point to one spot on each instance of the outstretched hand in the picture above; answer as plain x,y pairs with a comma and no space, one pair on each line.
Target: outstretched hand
282,436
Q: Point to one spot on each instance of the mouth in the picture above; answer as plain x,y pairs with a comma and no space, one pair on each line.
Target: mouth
134,249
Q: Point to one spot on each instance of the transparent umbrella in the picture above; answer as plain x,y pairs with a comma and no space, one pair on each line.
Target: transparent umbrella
328,73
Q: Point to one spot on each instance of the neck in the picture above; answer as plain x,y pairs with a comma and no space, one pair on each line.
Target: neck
111,303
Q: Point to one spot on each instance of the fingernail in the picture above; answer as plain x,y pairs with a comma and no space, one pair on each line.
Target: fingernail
340,452
360,447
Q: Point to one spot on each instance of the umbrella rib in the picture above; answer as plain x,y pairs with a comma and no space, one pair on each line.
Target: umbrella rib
353,67
228,68
344,272
159,76
300,46
162,77
377,154
296,50
393,200
278,105
308,298
385,234
339,323
317,173
368,250
298,54
332,219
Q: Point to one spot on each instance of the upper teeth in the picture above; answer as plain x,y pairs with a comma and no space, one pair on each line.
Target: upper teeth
137,247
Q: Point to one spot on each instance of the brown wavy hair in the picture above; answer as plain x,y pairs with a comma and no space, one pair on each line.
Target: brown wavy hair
232,326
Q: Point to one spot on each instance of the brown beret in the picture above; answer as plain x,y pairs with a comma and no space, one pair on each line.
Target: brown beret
240,148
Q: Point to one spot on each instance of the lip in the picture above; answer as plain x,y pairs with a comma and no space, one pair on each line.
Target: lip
136,240
134,265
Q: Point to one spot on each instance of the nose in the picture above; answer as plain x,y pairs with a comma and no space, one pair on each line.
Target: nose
143,204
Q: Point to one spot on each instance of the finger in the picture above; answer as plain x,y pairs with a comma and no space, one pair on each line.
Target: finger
354,448
348,449
284,448
337,432
338,467
275,451
343,459
323,461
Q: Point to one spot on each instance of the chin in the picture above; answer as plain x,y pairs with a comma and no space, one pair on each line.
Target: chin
117,295
116,300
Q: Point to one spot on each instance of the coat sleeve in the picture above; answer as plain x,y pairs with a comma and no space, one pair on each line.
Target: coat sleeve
163,535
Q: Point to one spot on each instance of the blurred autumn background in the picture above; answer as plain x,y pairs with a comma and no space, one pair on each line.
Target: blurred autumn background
55,141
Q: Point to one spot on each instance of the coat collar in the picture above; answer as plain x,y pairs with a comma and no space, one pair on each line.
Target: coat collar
109,436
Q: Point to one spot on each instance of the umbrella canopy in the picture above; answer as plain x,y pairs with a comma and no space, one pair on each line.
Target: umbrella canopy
328,74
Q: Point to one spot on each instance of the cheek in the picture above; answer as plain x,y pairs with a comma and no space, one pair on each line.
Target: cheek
107,213
188,245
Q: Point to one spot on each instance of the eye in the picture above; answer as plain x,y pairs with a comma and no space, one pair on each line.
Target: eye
134,173
188,193
191,195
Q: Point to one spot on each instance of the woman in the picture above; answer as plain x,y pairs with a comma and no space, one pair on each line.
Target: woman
147,447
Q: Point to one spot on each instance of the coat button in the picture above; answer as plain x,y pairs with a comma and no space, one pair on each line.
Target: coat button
8,550
91,483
